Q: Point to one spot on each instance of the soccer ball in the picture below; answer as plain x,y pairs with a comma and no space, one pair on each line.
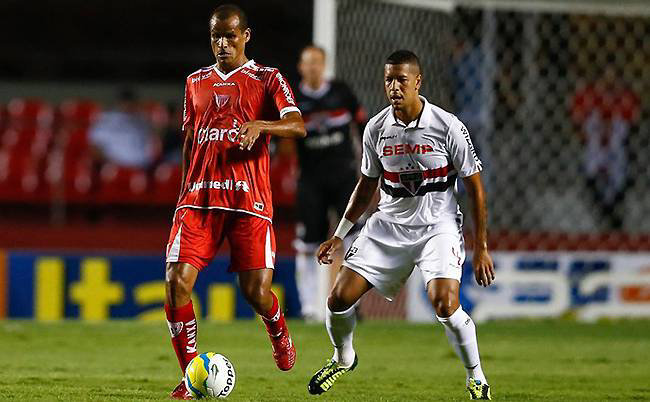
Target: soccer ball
210,374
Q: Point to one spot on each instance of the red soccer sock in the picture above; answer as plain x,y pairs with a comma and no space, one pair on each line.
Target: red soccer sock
183,327
274,319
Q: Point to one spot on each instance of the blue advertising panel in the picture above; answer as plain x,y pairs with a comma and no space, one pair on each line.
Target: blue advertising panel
98,287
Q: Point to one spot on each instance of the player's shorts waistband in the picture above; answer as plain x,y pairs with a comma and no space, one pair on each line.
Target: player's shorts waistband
178,208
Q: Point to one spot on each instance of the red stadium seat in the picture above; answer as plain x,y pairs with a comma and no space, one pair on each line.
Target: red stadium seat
69,170
3,117
122,185
25,112
22,164
78,112
166,184
155,112
284,174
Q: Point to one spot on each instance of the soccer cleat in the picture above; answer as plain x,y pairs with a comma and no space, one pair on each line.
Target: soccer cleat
284,351
478,389
323,380
180,392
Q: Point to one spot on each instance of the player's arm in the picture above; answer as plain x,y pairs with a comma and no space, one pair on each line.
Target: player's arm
188,124
482,262
187,155
359,202
360,199
289,126
461,150
362,196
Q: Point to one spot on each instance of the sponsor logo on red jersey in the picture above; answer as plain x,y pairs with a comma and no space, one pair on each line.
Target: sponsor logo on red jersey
221,100
285,88
218,134
228,184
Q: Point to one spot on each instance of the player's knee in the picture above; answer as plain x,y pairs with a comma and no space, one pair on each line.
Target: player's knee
444,303
337,301
445,306
254,294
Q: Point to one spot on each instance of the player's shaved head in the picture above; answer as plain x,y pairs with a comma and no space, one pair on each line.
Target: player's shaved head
404,57
229,33
225,11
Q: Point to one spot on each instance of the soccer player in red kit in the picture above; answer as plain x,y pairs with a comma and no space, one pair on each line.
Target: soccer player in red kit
231,109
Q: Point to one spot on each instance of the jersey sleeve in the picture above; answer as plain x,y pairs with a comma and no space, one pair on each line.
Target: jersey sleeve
188,106
460,147
282,94
370,163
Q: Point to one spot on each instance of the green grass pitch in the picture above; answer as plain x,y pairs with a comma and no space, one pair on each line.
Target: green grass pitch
524,361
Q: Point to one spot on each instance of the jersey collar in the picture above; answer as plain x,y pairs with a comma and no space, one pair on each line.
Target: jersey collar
421,122
224,77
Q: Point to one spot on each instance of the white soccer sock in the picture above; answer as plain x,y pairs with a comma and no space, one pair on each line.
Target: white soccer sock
307,283
461,332
340,327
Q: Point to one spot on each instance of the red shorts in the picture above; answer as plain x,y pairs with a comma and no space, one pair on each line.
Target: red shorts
197,234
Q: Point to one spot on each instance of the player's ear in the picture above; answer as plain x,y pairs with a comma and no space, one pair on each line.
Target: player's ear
247,35
418,81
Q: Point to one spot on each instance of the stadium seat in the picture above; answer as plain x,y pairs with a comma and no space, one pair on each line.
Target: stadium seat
23,138
69,171
155,112
29,112
284,174
22,158
122,185
3,117
166,184
78,112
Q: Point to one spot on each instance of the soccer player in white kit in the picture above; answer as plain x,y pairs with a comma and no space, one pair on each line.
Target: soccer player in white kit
416,150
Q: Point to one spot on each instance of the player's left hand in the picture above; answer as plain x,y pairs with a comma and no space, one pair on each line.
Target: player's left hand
483,267
248,133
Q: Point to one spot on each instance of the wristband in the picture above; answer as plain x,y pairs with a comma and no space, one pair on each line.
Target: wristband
343,228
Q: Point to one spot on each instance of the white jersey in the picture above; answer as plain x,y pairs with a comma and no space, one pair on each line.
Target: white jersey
418,164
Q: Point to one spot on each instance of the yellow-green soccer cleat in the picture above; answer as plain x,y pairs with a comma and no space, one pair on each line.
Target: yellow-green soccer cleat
478,389
323,380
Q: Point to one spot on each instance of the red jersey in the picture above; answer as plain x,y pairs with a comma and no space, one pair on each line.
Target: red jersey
221,175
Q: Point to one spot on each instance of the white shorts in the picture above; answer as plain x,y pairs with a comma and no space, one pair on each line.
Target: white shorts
385,254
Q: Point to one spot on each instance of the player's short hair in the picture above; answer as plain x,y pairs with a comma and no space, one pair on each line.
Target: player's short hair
404,57
314,47
226,11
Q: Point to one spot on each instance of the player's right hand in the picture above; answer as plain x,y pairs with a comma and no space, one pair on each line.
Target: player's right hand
328,249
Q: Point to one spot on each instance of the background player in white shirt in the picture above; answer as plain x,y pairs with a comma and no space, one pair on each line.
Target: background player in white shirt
416,150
